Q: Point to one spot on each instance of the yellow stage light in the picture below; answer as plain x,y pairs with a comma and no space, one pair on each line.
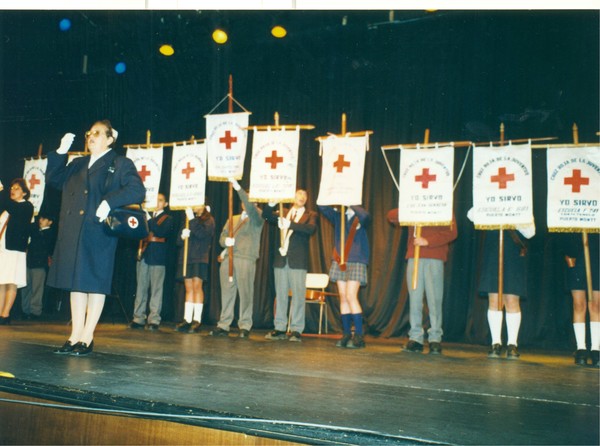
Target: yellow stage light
219,36
166,50
279,32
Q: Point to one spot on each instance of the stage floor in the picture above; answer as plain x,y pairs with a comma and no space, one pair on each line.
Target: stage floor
312,391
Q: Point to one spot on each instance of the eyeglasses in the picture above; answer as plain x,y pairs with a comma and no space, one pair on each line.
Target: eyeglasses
90,133
15,187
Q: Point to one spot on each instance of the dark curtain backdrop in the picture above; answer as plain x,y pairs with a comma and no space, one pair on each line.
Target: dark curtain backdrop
457,73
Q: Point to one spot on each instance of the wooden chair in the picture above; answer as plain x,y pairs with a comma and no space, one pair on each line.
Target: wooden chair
316,294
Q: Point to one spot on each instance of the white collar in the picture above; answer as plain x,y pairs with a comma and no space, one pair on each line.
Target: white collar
94,158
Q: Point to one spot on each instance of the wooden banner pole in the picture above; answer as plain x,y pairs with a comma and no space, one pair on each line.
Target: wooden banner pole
417,252
230,189
584,238
343,216
501,247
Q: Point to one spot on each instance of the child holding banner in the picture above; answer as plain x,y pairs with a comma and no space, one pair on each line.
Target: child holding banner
352,274
200,235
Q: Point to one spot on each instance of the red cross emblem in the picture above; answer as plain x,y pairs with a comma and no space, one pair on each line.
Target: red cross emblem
425,178
502,178
33,181
340,164
133,222
274,159
144,173
576,181
228,139
188,171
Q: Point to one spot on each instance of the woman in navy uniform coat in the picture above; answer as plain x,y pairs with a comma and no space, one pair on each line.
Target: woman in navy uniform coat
84,256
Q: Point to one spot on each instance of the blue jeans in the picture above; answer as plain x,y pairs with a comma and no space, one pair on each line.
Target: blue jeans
431,283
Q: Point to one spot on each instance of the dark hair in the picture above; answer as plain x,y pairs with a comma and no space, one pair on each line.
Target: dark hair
23,185
109,129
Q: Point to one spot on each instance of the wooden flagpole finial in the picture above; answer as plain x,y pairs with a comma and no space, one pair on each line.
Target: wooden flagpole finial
276,118
575,134
343,123
502,132
148,135
40,150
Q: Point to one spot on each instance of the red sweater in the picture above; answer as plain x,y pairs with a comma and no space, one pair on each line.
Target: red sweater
438,238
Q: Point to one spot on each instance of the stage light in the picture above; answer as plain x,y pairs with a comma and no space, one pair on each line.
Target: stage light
64,25
278,31
219,36
166,50
120,67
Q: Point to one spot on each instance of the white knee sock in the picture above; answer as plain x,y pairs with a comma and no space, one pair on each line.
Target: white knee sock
188,311
579,328
513,323
94,311
495,322
198,312
595,335
78,309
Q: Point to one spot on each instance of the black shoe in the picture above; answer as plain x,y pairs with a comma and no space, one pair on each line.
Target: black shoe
512,352
276,335
219,332
342,343
82,349
65,349
295,337
136,326
195,327
183,327
581,357
357,341
4,320
495,351
414,347
595,357
435,348
153,327
244,334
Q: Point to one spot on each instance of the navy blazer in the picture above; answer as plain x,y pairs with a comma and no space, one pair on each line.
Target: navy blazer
162,227
17,229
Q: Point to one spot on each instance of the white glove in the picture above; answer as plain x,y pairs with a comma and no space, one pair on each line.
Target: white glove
283,223
235,184
103,210
185,233
65,143
470,214
189,214
272,204
527,231
350,212
1,186
115,134
148,216
229,241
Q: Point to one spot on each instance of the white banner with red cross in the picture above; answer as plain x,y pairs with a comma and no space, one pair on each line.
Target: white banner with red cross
502,180
274,166
573,189
148,162
426,182
35,176
188,176
226,138
342,170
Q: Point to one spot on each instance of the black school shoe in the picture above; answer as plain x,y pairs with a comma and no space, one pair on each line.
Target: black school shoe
512,352
82,349
413,347
183,327
357,341
66,349
595,357
495,351
435,348
580,357
343,343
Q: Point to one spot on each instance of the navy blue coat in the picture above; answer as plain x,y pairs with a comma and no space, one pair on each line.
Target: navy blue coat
17,229
84,256
156,252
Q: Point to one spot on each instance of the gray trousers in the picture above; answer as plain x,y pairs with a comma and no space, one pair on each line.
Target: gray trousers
287,279
430,282
149,278
33,293
243,283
